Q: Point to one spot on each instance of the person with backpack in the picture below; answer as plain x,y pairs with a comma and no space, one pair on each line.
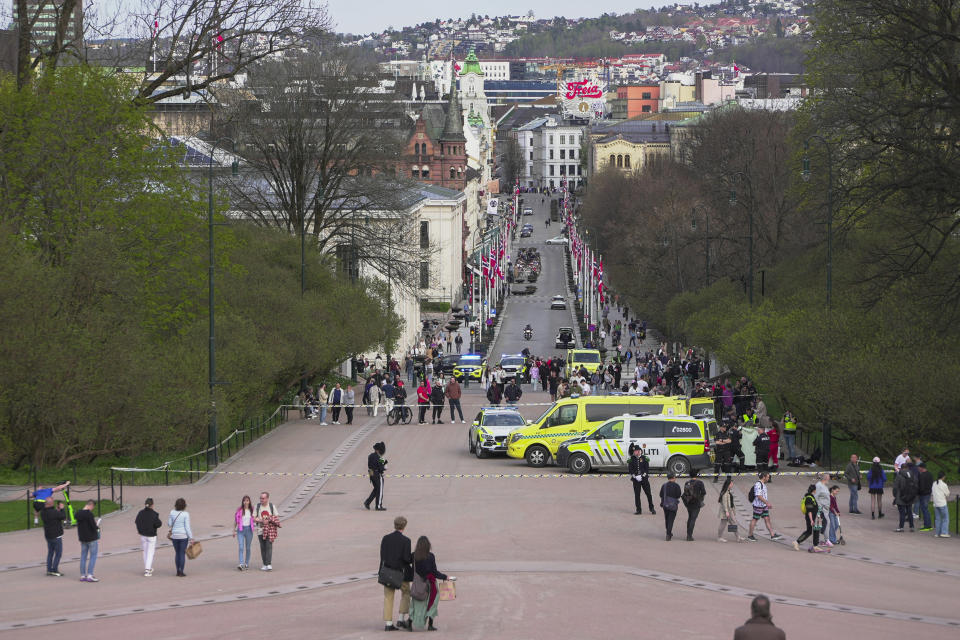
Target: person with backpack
906,487
436,402
876,478
812,519
761,507
692,498
670,501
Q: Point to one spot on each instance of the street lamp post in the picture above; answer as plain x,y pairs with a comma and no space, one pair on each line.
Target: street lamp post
805,173
693,224
733,200
212,344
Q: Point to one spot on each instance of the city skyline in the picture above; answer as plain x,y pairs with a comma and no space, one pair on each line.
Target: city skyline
351,17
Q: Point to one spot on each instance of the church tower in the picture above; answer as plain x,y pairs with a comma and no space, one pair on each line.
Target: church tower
453,151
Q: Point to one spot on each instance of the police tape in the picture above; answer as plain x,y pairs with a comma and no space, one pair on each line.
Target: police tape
485,476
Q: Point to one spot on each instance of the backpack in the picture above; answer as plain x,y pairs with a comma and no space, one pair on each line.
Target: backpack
752,495
692,493
803,505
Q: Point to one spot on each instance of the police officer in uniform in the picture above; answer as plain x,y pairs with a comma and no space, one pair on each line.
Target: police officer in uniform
722,444
761,445
376,467
639,470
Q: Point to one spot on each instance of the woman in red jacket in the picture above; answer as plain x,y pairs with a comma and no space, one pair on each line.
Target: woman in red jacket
423,400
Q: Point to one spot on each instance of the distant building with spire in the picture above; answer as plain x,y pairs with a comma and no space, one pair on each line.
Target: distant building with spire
436,150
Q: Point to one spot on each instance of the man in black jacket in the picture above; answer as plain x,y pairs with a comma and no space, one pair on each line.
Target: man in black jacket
395,553
925,490
513,392
376,467
693,494
88,531
148,521
52,518
639,470
670,502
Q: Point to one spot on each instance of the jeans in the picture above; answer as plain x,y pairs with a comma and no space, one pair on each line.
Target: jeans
88,549
922,508
906,514
244,542
266,551
854,494
180,553
943,520
149,546
323,413
791,439
349,411
455,404
834,526
54,551
692,513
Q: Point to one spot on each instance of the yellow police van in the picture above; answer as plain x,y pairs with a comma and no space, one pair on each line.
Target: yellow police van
588,359
571,417
677,443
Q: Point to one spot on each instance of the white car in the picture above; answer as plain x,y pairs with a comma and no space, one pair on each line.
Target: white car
513,365
490,428
557,240
528,212
558,303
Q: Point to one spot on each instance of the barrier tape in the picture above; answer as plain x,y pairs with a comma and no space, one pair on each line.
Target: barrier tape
294,474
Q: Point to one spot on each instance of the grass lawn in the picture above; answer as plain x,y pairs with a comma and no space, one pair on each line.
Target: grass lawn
13,515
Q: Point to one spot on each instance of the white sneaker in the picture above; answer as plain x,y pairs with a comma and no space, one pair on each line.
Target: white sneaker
147,573
264,568
269,567
463,422
721,539
944,535
323,424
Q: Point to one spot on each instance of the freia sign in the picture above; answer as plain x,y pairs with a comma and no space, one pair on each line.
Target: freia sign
583,89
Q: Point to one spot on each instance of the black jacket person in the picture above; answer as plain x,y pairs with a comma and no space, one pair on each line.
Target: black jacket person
639,469
376,467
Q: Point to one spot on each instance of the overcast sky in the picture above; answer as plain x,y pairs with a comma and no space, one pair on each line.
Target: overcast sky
358,16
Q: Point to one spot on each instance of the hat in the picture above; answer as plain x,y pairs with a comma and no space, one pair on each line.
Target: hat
671,476
148,502
876,459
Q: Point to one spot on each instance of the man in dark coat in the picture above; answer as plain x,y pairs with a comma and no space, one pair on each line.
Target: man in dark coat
760,626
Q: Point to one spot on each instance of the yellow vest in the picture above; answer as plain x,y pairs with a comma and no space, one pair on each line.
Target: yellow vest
789,425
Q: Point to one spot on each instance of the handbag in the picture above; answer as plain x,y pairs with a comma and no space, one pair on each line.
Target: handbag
670,503
170,532
419,588
447,589
389,577
194,550
732,528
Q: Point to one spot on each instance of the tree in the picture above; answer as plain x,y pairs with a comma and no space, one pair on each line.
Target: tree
886,97
322,146
513,162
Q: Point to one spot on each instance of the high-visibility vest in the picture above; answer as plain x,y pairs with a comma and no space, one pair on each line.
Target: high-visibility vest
789,425
747,418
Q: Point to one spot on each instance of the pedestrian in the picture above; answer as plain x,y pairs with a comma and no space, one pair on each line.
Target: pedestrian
925,489
40,496
639,469
436,403
453,393
852,475
789,433
940,494
692,498
243,522
423,400
901,459
322,398
670,501
88,531
822,494
727,513
180,534
52,518
376,467
761,507
812,519
760,625
876,478
268,520
365,399
833,516
905,490
761,448
336,402
147,522
494,394
458,341
774,432
409,368
376,397
425,570
395,554
349,399
722,451
513,392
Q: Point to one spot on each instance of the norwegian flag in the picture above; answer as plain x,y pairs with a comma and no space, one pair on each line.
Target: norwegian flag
600,289
485,268
516,189
503,242
494,267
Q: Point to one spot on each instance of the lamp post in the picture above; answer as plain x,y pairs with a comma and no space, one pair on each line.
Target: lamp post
693,225
827,436
733,200
212,344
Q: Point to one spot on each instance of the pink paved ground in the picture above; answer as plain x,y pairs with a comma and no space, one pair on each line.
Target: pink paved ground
509,541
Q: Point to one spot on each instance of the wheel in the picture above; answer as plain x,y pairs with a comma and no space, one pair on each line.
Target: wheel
679,465
479,451
470,443
407,415
537,456
392,416
579,463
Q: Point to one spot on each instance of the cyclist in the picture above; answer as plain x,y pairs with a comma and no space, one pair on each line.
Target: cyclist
400,400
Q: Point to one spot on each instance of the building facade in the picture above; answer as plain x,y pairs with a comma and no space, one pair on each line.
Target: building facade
44,14
551,150
629,146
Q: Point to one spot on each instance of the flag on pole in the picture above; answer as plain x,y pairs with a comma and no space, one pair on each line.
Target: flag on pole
493,264
600,281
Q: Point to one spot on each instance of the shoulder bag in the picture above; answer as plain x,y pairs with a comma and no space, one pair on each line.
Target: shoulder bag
419,588
389,577
170,532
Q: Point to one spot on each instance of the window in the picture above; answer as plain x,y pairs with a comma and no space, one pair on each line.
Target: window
416,148
611,430
601,412
424,234
551,169
425,172
551,184
563,139
682,430
424,275
563,169
415,172
641,429
551,154
551,139
563,154
613,159
441,148
620,161
626,161
531,141
567,414
645,95
646,108
531,155
573,154
453,173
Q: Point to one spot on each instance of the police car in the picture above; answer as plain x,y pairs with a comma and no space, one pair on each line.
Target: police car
676,443
490,428
514,366
470,366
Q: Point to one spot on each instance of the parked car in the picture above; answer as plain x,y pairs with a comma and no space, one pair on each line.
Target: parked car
564,338
557,240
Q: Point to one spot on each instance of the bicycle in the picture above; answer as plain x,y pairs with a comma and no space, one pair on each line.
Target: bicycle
399,413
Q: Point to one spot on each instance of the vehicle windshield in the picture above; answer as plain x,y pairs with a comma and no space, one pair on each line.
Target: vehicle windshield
544,414
586,357
454,359
503,420
470,360
511,362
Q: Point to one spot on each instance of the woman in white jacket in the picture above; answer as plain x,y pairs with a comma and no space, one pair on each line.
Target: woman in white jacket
941,513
